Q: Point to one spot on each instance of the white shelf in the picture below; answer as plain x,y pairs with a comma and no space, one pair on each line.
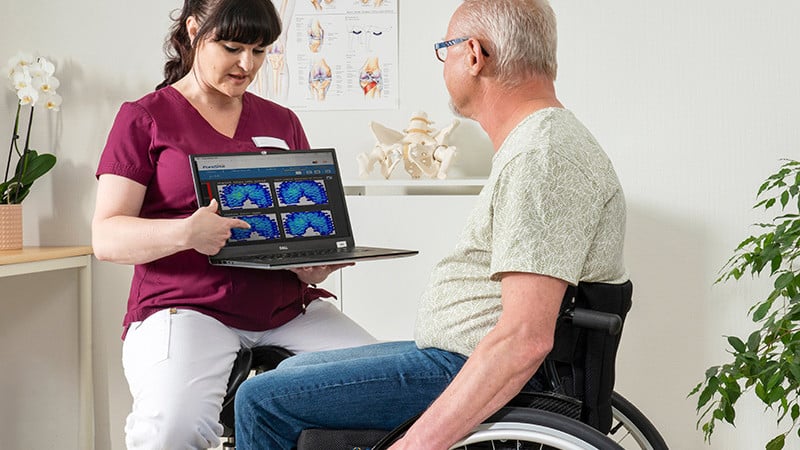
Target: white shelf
422,186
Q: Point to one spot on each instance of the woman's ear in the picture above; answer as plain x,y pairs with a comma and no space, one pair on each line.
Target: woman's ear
191,28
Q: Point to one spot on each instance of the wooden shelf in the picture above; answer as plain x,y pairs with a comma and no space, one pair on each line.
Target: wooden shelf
32,254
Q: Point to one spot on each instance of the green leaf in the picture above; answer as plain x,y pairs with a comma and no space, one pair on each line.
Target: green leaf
783,280
761,393
773,381
761,311
775,394
708,392
29,168
754,340
737,344
730,413
776,443
762,188
38,165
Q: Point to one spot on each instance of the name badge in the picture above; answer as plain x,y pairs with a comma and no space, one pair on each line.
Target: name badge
270,142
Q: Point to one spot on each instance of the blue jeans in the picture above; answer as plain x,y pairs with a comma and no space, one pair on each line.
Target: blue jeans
376,386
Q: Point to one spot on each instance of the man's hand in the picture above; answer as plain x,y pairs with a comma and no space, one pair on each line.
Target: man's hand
317,274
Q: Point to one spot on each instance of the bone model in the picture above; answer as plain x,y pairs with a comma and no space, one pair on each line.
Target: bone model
423,150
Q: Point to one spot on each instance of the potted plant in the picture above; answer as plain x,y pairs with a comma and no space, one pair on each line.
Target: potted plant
767,362
33,80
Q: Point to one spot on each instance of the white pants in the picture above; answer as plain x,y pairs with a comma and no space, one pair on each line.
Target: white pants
178,362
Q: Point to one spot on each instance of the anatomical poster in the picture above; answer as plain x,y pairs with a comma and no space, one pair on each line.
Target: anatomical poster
333,55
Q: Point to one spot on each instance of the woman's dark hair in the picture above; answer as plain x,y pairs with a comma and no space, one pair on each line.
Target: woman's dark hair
244,21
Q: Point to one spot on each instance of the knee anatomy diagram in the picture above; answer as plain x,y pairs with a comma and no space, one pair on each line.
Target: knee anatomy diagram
332,55
371,80
421,149
319,79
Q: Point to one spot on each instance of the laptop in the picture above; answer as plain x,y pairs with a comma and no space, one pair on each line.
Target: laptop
294,202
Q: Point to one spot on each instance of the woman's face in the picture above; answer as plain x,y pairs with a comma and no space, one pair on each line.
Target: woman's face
228,67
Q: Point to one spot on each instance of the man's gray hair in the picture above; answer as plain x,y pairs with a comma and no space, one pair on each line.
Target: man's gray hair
519,35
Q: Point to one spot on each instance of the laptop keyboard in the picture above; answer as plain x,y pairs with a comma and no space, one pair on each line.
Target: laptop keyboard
305,254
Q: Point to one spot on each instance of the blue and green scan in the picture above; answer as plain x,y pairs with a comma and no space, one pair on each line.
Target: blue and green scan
291,192
234,196
297,223
265,227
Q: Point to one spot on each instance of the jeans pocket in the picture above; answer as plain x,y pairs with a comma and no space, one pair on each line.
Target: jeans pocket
147,342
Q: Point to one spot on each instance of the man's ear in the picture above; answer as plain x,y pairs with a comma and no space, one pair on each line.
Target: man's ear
476,59
191,28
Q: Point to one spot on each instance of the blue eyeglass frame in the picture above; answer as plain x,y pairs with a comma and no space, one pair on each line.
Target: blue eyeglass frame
449,43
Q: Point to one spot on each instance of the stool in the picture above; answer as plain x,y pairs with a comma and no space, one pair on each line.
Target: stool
248,360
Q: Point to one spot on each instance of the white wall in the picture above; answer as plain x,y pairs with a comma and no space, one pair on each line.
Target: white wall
695,102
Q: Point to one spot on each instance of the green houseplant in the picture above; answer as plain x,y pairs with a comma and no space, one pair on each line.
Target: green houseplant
33,80
767,362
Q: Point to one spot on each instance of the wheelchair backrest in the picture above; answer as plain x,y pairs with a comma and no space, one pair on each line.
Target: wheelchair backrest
581,364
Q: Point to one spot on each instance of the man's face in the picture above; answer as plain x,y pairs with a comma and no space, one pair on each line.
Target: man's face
455,71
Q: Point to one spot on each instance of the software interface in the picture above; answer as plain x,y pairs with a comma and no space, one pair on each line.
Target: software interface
283,196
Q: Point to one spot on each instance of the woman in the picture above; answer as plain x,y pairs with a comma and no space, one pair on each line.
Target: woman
187,319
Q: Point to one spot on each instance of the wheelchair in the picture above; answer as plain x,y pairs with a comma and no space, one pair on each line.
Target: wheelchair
572,407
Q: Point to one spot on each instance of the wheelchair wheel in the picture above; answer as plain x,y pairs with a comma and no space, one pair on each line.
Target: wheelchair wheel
523,428
631,429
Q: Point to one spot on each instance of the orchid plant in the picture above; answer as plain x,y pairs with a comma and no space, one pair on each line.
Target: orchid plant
33,80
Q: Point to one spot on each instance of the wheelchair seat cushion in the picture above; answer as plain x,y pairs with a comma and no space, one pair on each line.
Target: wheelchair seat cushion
339,439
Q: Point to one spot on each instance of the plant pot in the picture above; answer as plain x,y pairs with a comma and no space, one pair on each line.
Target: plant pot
10,227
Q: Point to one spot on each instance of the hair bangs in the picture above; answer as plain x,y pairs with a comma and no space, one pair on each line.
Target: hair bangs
247,22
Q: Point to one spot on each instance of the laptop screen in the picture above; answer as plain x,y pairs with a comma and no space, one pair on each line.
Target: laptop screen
293,200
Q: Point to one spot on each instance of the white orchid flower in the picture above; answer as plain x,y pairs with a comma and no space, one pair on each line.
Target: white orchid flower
46,66
21,79
21,59
33,78
46,84
41,68
52,101
28,96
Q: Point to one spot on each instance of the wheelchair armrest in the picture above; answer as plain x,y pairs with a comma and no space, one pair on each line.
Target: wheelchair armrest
595,320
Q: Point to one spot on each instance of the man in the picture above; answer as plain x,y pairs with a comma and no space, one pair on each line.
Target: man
552,213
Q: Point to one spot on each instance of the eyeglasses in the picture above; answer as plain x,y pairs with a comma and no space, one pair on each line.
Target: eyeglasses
440,48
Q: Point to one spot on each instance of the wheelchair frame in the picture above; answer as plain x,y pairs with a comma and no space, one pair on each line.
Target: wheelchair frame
577,409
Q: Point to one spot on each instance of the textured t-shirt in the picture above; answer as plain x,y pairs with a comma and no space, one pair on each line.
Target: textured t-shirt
149,143
552,205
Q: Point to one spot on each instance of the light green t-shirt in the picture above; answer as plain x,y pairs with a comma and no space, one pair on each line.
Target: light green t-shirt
552,205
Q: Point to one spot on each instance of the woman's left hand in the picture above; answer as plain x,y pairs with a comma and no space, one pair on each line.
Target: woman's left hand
317,274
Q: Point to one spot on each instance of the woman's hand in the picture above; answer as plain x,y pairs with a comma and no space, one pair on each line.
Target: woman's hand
207,232
317,274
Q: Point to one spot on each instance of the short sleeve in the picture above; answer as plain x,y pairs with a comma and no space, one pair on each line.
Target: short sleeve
127,150
545,215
